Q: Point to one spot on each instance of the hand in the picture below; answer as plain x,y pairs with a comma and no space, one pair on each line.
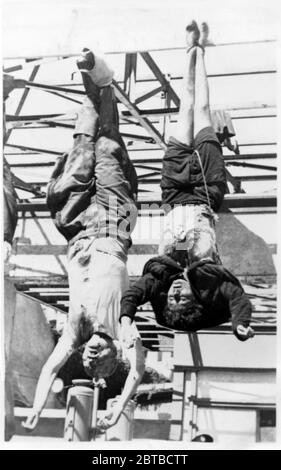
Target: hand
244,332
110,418
31,421
7,251
128,335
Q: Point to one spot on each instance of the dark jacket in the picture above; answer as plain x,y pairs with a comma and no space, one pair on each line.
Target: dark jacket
182,179
71,192
72,188
10,204
218,295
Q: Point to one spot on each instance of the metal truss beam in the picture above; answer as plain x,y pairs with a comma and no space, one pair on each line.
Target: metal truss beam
22,101
231,201
148,95
34,149
67,55
227,158
234,180
32,117
134,111
251,165
159,75
60,89
61,250
159,112
31,63
215,75
30,187
145,163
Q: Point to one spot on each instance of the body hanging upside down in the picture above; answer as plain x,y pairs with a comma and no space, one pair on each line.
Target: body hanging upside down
187,285
92,199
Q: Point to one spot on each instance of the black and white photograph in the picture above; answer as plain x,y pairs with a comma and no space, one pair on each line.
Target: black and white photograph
140,227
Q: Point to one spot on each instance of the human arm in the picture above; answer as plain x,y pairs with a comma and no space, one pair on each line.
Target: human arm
128,332
240,310
137,294
137,366
57,359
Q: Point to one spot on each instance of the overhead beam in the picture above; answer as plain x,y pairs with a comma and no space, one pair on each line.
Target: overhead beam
78,53
231,201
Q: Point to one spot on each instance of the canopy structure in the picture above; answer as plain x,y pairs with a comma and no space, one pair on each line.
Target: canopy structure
230,395
40,119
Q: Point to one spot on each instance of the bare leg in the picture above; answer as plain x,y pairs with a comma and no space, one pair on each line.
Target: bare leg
202,116
109,118
184,131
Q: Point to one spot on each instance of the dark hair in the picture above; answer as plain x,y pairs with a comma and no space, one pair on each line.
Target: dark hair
174,313
203,438
104,363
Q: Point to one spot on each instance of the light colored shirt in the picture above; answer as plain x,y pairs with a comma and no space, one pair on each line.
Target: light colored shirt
98,277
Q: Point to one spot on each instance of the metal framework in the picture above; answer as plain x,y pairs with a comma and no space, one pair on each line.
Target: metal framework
148,102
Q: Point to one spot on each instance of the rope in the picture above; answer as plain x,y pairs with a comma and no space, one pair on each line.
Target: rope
208,198
204,179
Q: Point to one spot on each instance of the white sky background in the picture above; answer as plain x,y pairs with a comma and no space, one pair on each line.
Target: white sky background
51,27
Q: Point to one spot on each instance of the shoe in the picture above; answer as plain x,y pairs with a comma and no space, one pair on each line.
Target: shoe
87,60
96,68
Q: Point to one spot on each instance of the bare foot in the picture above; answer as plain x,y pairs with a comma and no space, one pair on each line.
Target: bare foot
204,35
192,34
